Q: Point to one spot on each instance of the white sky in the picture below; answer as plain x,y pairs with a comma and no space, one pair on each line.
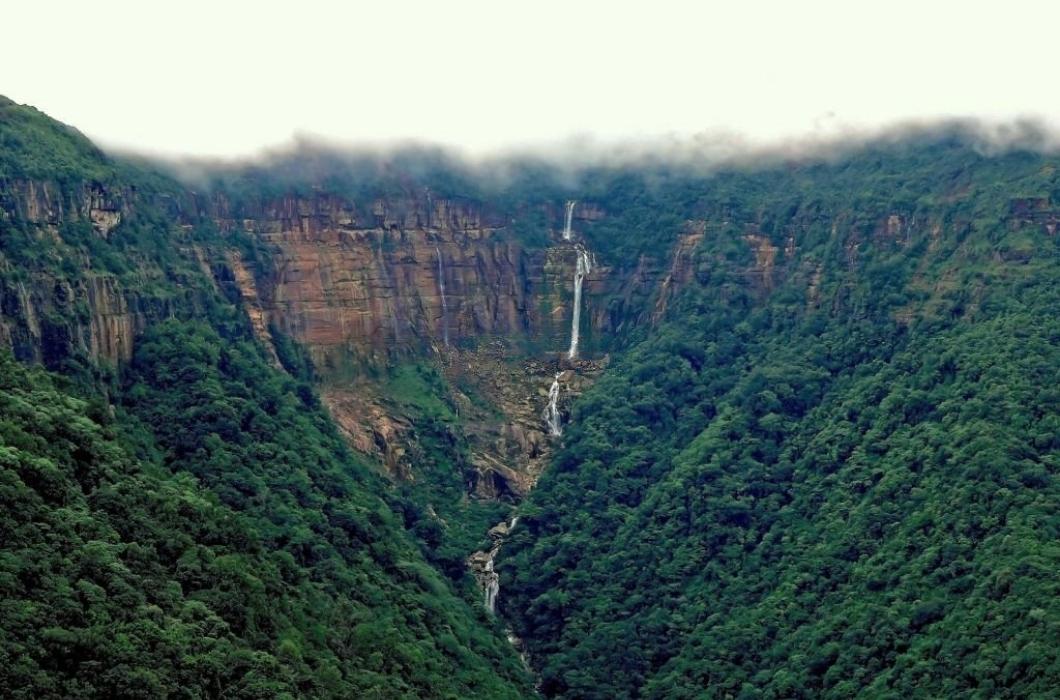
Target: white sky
229,78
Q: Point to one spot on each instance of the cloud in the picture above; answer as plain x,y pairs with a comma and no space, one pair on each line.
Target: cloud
315,161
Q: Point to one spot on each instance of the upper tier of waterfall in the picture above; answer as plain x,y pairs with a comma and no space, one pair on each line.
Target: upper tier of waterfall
569,219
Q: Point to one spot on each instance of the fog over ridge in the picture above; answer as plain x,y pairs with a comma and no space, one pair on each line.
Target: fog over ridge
314,159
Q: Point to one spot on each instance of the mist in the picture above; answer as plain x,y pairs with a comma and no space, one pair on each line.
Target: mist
318,161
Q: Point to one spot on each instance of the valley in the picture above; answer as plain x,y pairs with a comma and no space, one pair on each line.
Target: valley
333,424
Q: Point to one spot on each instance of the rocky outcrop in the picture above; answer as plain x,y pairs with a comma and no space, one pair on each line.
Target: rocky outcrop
505,434
681,272
765,254
49,205
45,316
508,436
371,428
46,320
247,288
1034,211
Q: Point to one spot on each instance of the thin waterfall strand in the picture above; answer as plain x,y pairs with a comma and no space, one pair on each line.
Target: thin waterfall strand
441,291
493,584
584,267
492,589
570,217
551,413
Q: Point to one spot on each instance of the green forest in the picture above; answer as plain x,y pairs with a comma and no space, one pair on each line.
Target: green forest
769,498
211,536
828,470
804,512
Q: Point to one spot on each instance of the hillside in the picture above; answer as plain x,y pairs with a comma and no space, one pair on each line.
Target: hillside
181,517
831,475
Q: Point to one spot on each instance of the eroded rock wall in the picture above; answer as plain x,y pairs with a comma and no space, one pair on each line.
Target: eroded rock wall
352,280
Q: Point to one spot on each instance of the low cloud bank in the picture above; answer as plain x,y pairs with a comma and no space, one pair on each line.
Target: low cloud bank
317,161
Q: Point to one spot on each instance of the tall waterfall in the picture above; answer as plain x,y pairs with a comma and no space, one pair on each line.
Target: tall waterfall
584,267
551,414
570,217
441,291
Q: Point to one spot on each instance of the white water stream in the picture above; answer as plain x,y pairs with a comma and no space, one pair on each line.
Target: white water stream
570,218
551,414
491,586
583,268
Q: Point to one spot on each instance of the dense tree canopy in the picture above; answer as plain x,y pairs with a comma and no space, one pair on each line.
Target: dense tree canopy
214,538
802,504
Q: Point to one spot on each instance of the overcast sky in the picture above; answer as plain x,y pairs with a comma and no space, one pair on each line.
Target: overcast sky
229,78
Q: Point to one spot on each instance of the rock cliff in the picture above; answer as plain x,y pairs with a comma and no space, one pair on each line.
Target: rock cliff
397,276
380,280
59,298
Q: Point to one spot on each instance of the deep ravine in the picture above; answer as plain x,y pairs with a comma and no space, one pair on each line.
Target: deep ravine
482,562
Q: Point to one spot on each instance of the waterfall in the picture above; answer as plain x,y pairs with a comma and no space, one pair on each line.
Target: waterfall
481,564
551,414
584,267
441,290
493,583
570,217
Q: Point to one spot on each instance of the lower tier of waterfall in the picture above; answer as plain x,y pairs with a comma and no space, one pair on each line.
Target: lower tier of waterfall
551,413
481,565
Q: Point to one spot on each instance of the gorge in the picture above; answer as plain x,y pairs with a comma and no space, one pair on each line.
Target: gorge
344,425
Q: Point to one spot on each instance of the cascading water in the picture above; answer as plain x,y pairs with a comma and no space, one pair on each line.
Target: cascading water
551,414
493,584
570,217
482,564
441,291
584,267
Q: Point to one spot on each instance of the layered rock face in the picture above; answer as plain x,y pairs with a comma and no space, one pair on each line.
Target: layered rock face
350,281
105,319
47,205
378,282
406,274
369,280
43,316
